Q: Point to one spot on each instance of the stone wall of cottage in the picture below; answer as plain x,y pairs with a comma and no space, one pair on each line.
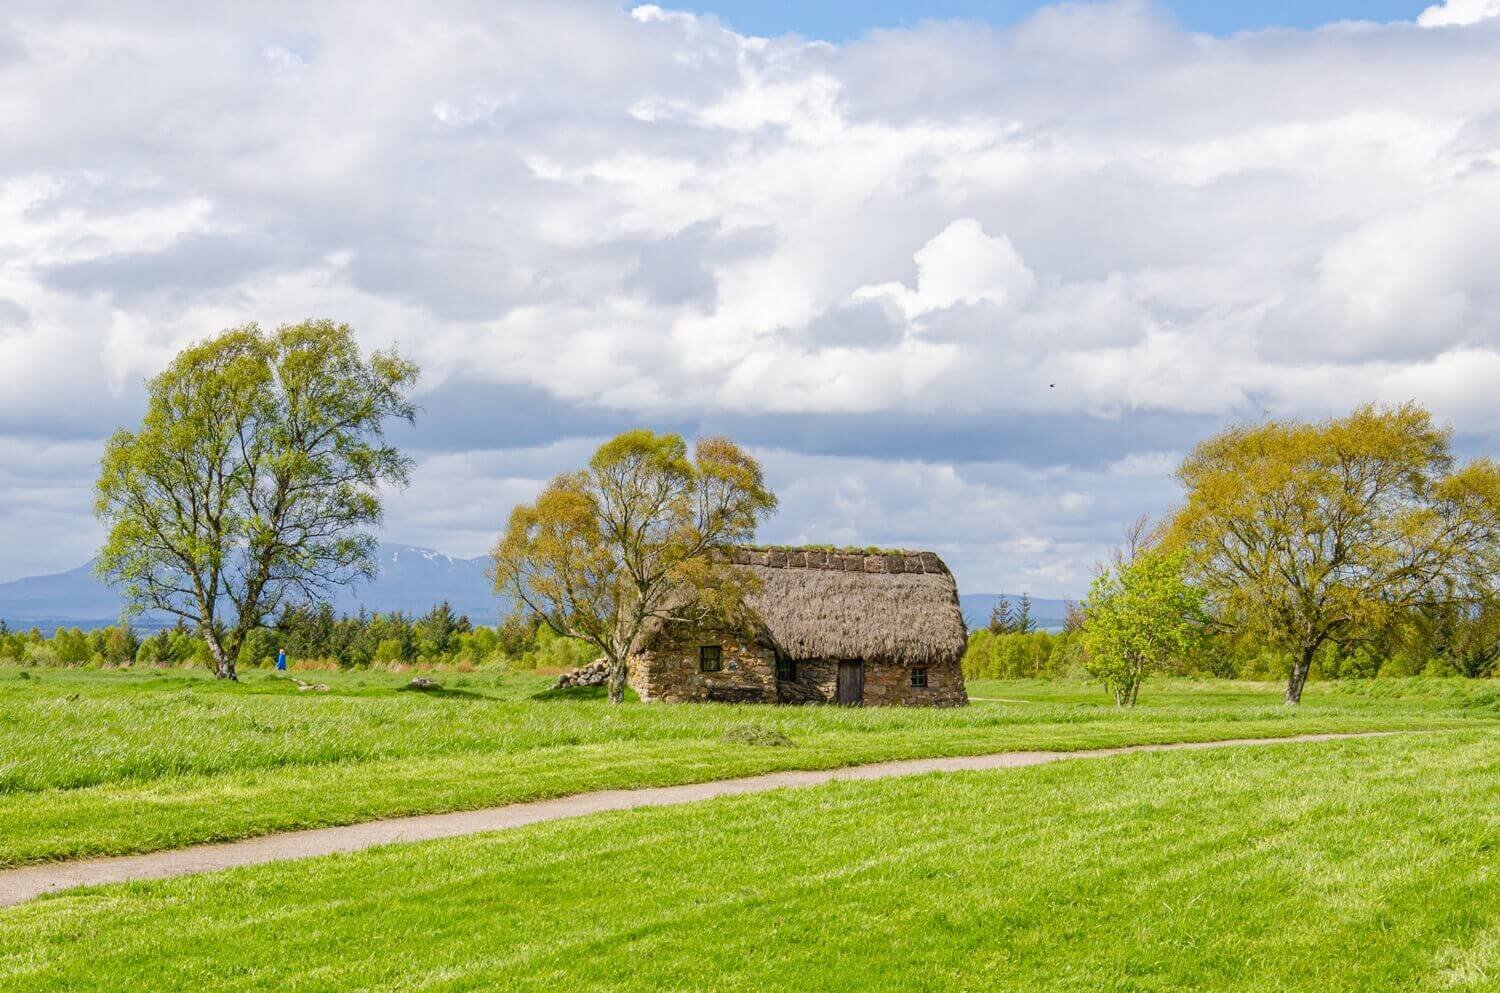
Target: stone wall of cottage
816,681
890,685
885,684
671,670
671,673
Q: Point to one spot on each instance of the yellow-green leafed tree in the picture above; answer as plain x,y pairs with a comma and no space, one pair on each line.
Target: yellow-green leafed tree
1142,619
1302,533
641,534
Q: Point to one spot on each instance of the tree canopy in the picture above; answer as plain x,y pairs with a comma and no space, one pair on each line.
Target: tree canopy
638,535
251,478
1141,619
1303,534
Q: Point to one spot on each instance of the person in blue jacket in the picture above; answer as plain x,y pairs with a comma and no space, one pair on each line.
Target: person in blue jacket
281,660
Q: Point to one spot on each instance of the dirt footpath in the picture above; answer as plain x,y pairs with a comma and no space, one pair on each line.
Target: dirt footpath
18,885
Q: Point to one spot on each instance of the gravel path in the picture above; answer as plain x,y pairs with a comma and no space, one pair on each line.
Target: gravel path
18,885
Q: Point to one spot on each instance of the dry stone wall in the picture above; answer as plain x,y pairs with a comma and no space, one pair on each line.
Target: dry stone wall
596,673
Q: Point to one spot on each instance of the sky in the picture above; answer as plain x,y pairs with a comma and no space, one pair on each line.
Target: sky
844,21
973,285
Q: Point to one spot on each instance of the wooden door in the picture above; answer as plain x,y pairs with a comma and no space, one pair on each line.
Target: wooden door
851,683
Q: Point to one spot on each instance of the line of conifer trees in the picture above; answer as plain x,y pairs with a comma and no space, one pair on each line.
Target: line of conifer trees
309,635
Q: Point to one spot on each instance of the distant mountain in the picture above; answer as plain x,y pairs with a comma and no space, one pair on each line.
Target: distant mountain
1047,614
413,579
64,599
409,579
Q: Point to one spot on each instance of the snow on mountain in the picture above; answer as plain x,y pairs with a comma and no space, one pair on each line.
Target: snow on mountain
409,579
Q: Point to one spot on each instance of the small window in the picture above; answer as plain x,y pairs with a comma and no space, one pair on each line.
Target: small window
919,676
786,670
711,658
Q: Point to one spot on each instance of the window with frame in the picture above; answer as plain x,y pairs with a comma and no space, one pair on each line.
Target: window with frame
919,676
711,658
786,670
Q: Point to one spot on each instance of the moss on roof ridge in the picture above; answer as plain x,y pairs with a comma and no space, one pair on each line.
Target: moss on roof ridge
834,549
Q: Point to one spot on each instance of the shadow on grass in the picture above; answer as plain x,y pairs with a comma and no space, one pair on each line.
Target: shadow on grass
442,692
583,693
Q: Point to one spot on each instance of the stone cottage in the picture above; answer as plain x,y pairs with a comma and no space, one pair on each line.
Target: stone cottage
826,626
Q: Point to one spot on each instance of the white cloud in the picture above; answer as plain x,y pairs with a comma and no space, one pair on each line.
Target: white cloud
1146,464
1452,12
459,501
999,526
961,264
1075,503
498,193
1094,214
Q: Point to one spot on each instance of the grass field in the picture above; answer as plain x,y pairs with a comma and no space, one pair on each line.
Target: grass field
112,762
1356,865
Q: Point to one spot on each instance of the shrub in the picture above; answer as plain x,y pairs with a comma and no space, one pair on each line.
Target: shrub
553,651
1400,665
39,653
12,647
1142,618
120,645
1014,655
259,648
70,646
390,650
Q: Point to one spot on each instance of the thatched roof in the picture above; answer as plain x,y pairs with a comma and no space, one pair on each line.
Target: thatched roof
897,607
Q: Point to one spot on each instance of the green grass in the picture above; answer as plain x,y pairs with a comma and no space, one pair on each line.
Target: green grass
95,763
1356,865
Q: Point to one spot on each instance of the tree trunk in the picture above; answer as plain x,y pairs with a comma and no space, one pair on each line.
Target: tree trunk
1298,679
1125,692
223,662
617,673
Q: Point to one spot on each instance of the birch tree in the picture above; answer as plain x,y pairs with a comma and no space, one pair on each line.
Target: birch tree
252,478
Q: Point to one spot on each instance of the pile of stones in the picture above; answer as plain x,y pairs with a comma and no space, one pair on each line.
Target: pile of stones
596,673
